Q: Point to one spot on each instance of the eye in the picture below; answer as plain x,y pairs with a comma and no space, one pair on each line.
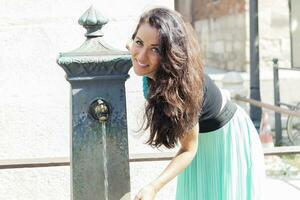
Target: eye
155,50
139,43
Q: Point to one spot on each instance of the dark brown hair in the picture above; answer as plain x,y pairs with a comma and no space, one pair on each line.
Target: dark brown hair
175,97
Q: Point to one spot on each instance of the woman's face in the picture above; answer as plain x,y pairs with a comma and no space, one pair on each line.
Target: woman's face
145,51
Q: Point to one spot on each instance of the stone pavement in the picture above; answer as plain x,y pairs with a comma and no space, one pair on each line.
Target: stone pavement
282,188
276,187
283,179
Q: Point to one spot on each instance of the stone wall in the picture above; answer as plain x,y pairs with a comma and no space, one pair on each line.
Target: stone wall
204,9
274,32
185,9
222,41
224,33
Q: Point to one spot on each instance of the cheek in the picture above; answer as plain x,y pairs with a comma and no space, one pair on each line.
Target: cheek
133,51
155,61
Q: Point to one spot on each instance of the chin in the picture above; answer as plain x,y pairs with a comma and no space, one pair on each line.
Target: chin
138,71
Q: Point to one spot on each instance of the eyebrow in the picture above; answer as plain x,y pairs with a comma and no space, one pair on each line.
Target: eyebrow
155,45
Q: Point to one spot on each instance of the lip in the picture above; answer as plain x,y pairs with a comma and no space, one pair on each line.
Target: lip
141,64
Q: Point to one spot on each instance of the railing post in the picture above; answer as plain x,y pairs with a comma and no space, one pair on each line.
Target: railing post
278,125
99,141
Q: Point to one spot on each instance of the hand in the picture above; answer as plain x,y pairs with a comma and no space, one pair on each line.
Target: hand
146,193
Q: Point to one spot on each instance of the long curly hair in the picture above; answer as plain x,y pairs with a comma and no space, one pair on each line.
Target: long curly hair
175,95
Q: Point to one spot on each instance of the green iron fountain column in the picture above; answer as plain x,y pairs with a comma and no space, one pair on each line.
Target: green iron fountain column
99,142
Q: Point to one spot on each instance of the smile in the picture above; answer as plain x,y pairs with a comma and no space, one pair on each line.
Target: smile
141,64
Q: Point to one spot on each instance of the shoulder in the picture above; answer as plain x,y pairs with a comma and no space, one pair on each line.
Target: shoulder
145,86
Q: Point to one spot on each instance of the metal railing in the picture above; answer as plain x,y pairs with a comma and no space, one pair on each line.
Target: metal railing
276,109
277,102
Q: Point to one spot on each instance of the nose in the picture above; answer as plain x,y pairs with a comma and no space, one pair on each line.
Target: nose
142,55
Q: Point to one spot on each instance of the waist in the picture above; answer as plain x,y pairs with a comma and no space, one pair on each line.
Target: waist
220,120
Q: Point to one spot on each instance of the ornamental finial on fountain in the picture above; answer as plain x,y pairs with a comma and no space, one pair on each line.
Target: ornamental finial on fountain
92,21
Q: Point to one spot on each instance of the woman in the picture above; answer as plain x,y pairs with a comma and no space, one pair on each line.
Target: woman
220,156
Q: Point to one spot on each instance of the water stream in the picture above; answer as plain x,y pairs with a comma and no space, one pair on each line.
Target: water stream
103,127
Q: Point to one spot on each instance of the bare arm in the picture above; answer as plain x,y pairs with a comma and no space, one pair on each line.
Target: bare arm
183,158
185,155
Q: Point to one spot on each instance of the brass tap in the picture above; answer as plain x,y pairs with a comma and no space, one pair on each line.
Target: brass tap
99,110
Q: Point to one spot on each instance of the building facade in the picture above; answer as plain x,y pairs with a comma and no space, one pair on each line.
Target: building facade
222,27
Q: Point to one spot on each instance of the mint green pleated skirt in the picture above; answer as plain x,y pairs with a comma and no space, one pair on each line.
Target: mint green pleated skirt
229,164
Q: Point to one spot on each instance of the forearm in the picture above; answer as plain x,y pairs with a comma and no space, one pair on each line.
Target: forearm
185,155
182,159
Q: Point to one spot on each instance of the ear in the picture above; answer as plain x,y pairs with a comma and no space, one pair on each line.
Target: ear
129,44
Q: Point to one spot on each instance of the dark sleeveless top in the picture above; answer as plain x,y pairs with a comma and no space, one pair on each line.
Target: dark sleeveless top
212,100
210,118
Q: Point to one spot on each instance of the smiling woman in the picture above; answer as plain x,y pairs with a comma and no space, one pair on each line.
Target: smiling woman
220,155
145,51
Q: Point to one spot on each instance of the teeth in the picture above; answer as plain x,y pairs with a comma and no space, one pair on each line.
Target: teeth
143,65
